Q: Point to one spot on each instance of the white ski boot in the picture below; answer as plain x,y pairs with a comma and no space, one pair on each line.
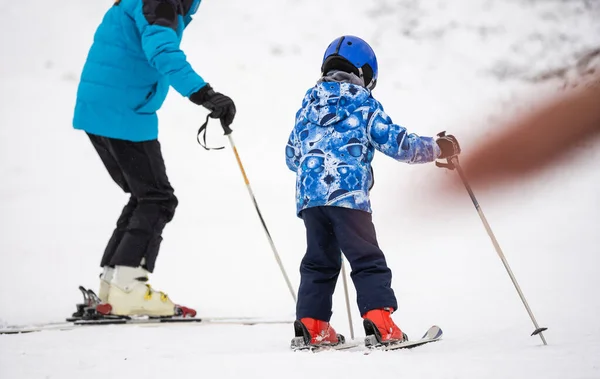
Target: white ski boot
105,279
129,294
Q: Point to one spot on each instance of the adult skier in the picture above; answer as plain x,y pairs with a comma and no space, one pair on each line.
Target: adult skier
134,59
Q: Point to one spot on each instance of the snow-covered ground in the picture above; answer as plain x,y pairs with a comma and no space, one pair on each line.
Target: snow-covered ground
444,65
260,352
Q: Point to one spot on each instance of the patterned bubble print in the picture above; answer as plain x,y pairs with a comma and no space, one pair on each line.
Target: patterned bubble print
337,130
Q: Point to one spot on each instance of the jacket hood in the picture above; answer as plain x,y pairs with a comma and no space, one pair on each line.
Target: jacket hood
191,7
330,102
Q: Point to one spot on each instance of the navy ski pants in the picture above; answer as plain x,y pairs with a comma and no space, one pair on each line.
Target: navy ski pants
329,232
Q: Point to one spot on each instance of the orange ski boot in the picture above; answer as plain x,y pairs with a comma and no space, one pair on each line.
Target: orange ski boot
380,328
310,332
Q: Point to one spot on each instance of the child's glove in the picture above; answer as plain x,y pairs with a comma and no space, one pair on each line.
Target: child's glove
448,145
221,106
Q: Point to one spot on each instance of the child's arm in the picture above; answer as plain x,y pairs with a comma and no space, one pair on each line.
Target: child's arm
293,146
394,141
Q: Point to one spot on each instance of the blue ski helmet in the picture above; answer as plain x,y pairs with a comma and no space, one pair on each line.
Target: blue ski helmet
352,54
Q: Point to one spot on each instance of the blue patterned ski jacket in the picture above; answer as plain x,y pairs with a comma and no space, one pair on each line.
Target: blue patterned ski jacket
338,128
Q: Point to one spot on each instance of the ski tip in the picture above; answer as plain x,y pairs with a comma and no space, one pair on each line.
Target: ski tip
433,332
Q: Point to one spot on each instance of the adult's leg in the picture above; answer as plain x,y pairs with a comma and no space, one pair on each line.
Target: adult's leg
144,170
101,144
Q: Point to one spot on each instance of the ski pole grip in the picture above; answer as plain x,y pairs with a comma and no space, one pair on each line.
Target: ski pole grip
449,166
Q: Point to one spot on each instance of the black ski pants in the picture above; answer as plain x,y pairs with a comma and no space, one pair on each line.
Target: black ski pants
139,169
331,231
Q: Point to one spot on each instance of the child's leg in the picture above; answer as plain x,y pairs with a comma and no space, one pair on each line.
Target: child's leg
371,276
320,266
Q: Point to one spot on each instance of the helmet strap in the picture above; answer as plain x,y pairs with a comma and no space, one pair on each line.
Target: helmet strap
372,84
369,85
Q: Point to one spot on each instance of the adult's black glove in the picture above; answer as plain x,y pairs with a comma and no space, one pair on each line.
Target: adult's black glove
448,145
221,106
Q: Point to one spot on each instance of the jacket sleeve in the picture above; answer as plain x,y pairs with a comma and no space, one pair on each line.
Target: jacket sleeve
293,149
394,140
157,22
292,152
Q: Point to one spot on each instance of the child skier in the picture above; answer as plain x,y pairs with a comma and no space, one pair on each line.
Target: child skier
337,130
134,59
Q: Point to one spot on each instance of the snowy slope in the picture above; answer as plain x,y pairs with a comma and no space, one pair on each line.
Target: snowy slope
458,66
200,351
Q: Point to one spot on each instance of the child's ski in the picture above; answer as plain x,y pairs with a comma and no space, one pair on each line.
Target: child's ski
433,334
318,348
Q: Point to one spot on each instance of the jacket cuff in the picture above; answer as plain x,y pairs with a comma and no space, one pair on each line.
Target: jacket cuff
199,97
437,151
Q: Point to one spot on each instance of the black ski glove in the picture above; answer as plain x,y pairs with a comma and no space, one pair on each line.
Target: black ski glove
221,106
448,145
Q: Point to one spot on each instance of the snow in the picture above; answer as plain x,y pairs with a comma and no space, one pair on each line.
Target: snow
444,65
259,352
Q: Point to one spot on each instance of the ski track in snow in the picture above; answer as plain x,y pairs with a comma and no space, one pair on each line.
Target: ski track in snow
444,65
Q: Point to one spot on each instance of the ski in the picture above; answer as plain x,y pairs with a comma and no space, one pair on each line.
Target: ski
181,320
319,348
433,334
135,320
87,315
371,342
79,324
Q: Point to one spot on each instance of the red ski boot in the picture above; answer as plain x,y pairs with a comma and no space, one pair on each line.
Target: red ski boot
312,333
380,328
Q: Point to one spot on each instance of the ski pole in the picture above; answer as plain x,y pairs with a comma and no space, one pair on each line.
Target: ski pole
228,132
345,280
453,164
